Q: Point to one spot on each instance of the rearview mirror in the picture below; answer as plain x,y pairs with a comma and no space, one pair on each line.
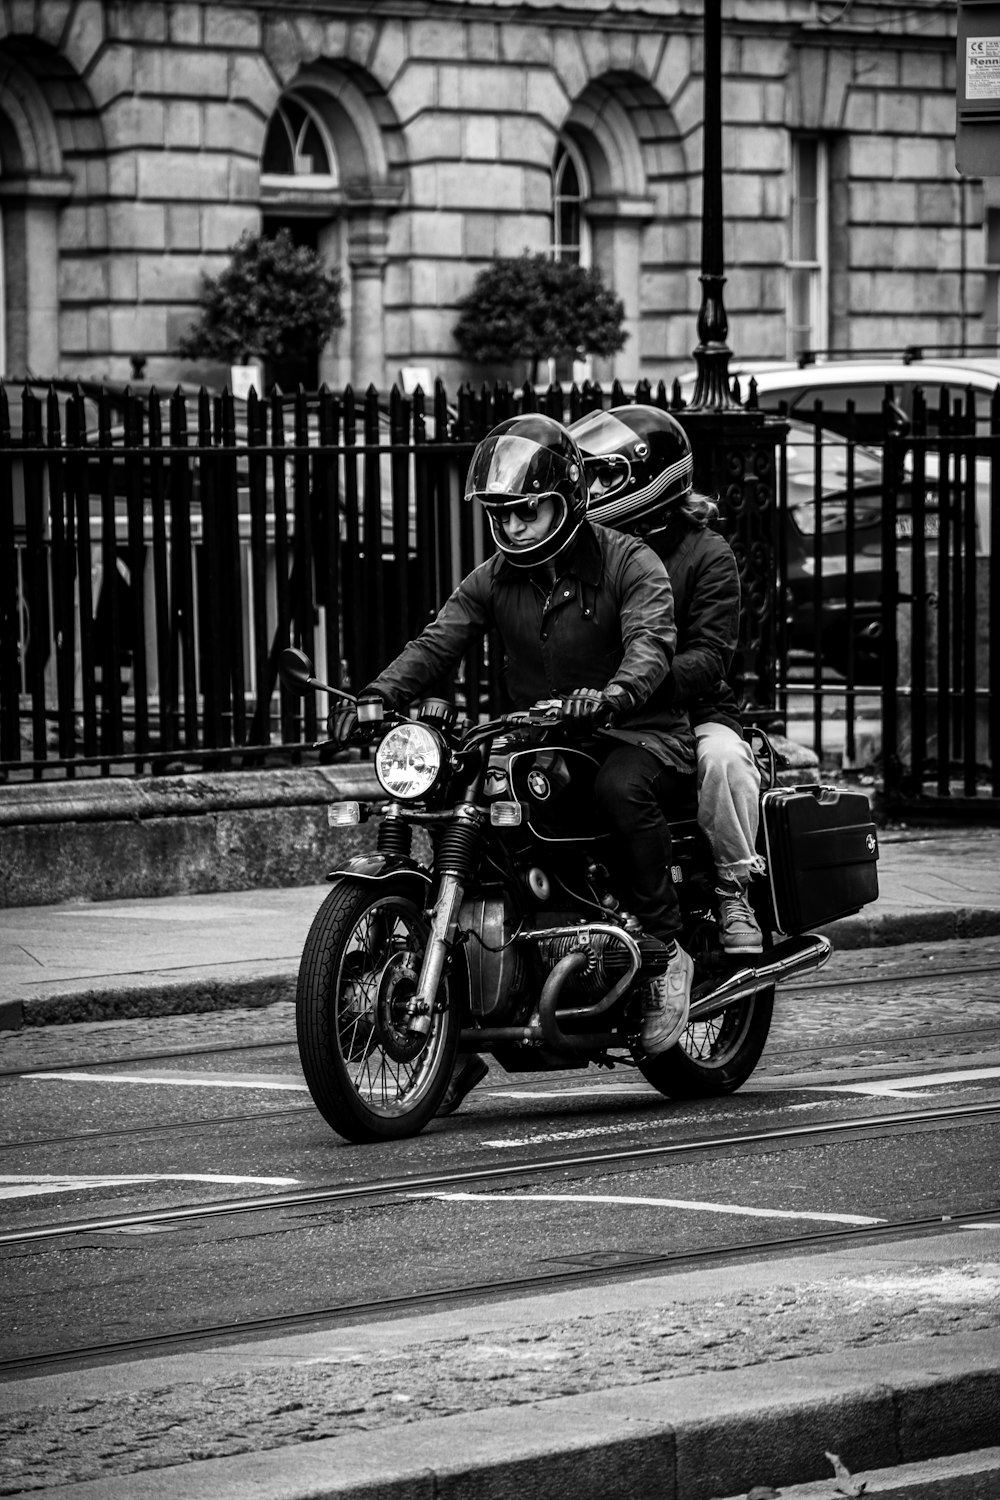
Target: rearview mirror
296,670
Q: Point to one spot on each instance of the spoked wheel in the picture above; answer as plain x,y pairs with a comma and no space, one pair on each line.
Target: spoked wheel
370,1077
716,1056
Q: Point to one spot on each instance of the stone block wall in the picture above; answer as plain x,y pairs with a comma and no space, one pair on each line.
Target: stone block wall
137,130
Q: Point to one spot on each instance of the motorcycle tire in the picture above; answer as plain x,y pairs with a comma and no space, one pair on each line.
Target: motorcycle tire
714,1057
370,1078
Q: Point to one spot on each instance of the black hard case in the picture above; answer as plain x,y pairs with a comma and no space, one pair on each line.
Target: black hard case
822,852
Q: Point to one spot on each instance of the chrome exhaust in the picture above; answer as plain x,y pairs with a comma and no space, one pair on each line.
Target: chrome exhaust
797,955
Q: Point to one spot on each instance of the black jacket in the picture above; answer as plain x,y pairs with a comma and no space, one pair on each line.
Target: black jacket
706,586
608,619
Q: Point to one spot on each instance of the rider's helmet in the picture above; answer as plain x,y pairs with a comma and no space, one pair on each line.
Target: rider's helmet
638,462
522,462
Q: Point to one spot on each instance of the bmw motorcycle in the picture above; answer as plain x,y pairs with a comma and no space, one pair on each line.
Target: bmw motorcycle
510,940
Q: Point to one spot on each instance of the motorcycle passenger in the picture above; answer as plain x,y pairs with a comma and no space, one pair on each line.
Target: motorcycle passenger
640,473
584,614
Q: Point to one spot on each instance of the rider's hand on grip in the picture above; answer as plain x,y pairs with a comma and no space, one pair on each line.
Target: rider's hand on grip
587,703
342,723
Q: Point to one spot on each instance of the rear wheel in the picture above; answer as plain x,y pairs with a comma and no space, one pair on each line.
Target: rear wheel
714,1057
371,1078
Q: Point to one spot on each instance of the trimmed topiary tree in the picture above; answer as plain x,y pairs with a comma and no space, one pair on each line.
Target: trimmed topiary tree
531,307
274,301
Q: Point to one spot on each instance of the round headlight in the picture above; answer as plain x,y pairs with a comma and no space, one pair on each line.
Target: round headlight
408,760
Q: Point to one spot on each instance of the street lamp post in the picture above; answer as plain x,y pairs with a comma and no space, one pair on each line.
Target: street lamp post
733,446
711,357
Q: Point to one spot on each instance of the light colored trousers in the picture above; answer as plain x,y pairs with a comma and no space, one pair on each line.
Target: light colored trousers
728,800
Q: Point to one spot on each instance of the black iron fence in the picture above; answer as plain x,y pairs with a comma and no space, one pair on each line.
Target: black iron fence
158,551
890,599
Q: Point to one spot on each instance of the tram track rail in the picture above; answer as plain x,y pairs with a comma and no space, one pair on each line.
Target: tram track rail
396,1188
828,1050
571,1276
800,986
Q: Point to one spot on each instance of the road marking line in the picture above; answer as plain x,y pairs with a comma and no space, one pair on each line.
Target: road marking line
903,1088
688,1203
604,1089
26,1187
179,1080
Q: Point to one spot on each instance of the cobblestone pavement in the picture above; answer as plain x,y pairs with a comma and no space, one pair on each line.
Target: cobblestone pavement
380,1384
808,1015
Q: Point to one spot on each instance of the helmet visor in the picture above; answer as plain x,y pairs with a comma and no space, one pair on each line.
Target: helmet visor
511,470
601,432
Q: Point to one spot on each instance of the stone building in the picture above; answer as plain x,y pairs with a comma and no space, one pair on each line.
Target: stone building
414,141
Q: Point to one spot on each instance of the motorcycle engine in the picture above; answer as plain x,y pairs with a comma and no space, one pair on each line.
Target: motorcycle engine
608,962
496,964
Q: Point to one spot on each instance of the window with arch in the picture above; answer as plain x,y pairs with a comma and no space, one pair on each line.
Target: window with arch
298,143
570,190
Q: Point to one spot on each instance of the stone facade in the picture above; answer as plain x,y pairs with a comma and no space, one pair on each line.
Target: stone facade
132,134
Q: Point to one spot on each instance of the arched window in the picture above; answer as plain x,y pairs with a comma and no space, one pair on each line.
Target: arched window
570,190
298,144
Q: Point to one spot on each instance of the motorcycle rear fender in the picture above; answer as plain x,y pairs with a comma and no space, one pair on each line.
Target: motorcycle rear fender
369,869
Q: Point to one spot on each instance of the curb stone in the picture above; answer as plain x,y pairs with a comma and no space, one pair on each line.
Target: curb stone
692,1438
965,1476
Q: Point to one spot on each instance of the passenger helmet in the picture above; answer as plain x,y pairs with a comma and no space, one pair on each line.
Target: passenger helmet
521,462
638,462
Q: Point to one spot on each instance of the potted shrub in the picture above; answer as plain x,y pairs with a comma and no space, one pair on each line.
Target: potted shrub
530,307
275,301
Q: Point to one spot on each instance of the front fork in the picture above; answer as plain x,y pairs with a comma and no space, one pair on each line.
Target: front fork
454,864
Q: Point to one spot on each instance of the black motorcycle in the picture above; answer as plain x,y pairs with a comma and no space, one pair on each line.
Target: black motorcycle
510,938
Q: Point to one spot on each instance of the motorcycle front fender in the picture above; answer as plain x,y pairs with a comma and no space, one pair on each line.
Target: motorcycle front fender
369,869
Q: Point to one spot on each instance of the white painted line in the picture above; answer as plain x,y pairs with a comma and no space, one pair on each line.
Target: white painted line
604,1089
28,1187
180,1080
903,1088
583,1132
686,1203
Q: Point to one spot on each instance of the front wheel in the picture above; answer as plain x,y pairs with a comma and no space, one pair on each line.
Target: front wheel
714,1057
371,1078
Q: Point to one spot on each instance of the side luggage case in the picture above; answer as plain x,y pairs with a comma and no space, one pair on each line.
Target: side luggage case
821,848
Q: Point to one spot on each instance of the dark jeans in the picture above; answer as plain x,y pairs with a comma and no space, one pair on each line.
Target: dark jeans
632,788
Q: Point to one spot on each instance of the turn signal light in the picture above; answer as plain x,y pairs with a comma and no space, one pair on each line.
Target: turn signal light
505,814
342,813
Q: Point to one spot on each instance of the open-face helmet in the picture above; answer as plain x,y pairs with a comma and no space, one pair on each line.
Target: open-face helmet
522,462
638,462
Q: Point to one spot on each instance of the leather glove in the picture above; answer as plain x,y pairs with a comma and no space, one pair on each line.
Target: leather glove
597,706
342,723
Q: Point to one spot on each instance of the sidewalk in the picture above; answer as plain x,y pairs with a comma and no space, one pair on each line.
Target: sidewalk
115,959
693,1386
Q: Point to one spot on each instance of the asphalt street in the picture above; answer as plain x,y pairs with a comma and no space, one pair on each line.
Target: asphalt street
681,1258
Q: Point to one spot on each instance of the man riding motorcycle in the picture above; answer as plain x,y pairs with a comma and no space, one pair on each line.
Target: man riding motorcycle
640,476
586,615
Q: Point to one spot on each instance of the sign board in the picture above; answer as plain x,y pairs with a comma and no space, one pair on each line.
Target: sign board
977,139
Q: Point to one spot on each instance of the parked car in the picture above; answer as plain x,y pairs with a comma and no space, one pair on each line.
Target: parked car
836,381
833,575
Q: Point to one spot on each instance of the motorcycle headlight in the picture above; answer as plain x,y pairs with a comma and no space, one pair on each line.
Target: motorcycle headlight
408,761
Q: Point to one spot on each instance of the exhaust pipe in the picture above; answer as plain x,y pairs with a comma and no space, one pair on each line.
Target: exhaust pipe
795,956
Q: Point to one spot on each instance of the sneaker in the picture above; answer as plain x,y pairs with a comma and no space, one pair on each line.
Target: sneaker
738,927
466,1074
666,1003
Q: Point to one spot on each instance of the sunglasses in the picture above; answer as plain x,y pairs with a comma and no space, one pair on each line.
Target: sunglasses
523,510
